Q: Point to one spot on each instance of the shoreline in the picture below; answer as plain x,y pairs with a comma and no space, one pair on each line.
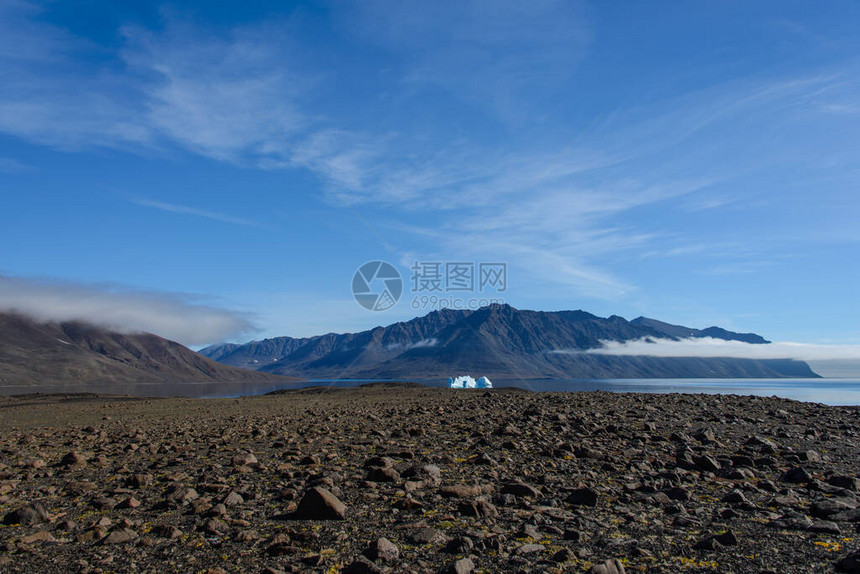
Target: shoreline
834,391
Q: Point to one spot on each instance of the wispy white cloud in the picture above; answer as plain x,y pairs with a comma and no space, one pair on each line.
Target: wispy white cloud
50,97
848,108
227,98
179,317
738,268
230,98
422,344
12,165
198,212
240,96
559,233
500,59
561,226
682,251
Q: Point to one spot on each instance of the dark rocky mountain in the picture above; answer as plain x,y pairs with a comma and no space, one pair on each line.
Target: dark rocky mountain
496,341
75,353
679,332
332,350
216,352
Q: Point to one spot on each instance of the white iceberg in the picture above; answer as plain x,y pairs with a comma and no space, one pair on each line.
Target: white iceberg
467,382
484,383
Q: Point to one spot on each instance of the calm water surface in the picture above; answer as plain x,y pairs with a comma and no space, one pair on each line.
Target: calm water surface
827,391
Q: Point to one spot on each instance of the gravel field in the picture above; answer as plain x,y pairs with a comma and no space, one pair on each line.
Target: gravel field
404,478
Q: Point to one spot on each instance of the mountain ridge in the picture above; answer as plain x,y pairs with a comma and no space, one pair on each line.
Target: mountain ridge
680,332
74,353
500,341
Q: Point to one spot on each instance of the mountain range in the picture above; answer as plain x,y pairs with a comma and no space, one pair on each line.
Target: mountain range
497,341
74,353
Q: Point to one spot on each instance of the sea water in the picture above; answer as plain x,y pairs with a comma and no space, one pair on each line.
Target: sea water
826,391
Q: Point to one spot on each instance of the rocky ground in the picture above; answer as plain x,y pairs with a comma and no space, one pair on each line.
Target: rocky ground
412,479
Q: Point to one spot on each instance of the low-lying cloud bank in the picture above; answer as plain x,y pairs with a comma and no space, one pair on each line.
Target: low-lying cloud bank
710,347
827,360
174,316
422,344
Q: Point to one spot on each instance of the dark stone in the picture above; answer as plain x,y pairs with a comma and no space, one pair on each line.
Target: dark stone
528,531
846,482
479,507
848,515
661,498
40,536
362,565
727,538
520,489
121,536
743,460
380,461
215,526
707,543
74,459
460,491
383,474
797,475
485,459
280,545
678,493
714,541
707,463
849,564
426,472
825,526
735,497
27,515
139,480
426,536
583,497
170,532
529,549
181,495
791,521
233,498
382,551
105,503
612,566
764,444
320,504
459,545
809,456
705,436
461,566
827,507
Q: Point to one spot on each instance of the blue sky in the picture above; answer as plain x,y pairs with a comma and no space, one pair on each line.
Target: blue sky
220,172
